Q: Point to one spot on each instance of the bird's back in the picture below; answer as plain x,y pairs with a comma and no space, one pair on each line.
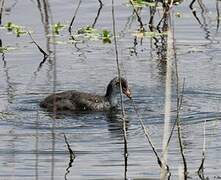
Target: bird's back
75,101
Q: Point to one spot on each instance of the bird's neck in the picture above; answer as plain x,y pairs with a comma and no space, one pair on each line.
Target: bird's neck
113,100
111,96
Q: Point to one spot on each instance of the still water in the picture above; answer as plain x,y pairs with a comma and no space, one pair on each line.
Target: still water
32,143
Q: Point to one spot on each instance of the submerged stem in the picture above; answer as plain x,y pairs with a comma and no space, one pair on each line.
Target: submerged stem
121,93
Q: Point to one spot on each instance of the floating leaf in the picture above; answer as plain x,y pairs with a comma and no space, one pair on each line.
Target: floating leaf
178,15
6,49
142,3
56,28
9,26
148,34
106,36
3,49
18,30
4,114
92,34
152,3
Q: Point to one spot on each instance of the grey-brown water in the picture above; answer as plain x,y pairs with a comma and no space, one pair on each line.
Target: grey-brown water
32,143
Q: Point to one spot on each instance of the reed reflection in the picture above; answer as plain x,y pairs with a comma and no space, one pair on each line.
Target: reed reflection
10,89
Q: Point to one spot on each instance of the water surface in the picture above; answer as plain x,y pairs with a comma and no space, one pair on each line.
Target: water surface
32,143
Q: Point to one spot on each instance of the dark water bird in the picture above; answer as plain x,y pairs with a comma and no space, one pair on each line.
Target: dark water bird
80,101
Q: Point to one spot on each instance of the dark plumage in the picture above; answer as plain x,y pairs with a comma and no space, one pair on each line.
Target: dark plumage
81,101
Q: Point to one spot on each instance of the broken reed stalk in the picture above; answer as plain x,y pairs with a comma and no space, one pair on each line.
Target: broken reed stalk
1,11
202,6
3,55
167,26
142,29
204,15
39,48
204,12
152,13
117,56
54,65
171,46
73,18
43,10
167,107
52,58
3,59
98,14
168,85
40,10
179,102
147,135
179,133
175,122
218,15
194,11
101,4
121,93
200,171
71,152
72,157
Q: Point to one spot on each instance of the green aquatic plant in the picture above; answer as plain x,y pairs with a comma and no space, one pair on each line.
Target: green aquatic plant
178,14
106,36
175,2
152,3
17,29
9,26
5,49
92,34
143,3
85,30
57,27
88,32
149,34
3,115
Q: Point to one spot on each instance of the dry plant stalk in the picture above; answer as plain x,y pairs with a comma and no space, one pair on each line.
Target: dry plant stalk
179,131
200,171
171,52
73,18
218,15
147,135
72,157
98,14
194,11
1,11
121,93
142,29
167,108
39,48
